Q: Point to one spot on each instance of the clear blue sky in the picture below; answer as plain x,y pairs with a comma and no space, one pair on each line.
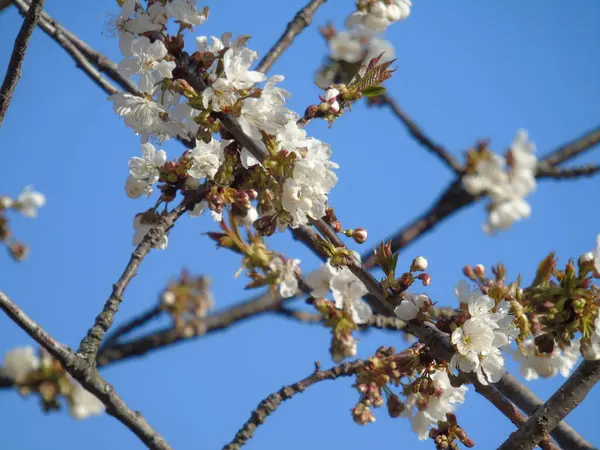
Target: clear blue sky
466,70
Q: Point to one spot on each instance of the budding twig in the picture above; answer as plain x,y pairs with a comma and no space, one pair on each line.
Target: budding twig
13,73
87,376
273,401
300,21
418,133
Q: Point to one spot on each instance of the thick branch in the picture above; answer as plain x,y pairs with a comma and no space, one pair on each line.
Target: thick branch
510,411
528,402
300,21
416,132
567,398
273,401
87,376
13,73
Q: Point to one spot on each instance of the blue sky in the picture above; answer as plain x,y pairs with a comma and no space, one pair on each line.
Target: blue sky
466,70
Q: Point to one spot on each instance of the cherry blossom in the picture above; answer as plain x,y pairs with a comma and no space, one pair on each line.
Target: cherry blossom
288,275
147,61
29,201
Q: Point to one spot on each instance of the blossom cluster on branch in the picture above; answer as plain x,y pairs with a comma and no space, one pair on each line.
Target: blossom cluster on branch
44,376
27,203
506,181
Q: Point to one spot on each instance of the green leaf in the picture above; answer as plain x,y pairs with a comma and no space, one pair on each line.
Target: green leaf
374,91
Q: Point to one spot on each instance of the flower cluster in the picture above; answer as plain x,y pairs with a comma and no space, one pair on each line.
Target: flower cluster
289,180
488,327
43,375
264,267
429,399
534,364
187,299
360,40
425,386
487,173
27,203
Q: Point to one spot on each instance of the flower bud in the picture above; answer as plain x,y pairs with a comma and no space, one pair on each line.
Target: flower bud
479,271
135,188
425,279
587,259
360,235
6,202
18,251
419,264
394,406
168,298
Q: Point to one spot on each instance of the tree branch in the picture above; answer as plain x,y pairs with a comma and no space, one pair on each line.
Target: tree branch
528,402
87,376
300,21
131,325
567,398
417,133
273,401
88,348
572,149
570,172
13,72
510,411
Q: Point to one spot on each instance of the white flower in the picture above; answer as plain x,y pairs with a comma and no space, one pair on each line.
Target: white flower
135,188
199,209
186,12
592,351
319,280
347,292
410,307
147,167
436,407
330,100
215,46
305,195
206,159
291,137
399,9
147,62
534,365
236,62
491,367
377,47
288,271
29,201
250,217
19,362
84,404
475,337
597,254
346,47
140,113
142,229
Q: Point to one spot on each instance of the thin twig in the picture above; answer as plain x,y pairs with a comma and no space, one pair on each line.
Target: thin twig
273,401
13,73
87,376
569,172
572,149
88,348
416,132
568,397
131,325
53,29
300,21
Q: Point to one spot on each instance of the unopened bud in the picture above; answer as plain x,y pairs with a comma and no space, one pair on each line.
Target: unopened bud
184,88
587,259
360,235
6,202
468,272
419,264
425,279
18,251
168,298
394,406
479,271
265,225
